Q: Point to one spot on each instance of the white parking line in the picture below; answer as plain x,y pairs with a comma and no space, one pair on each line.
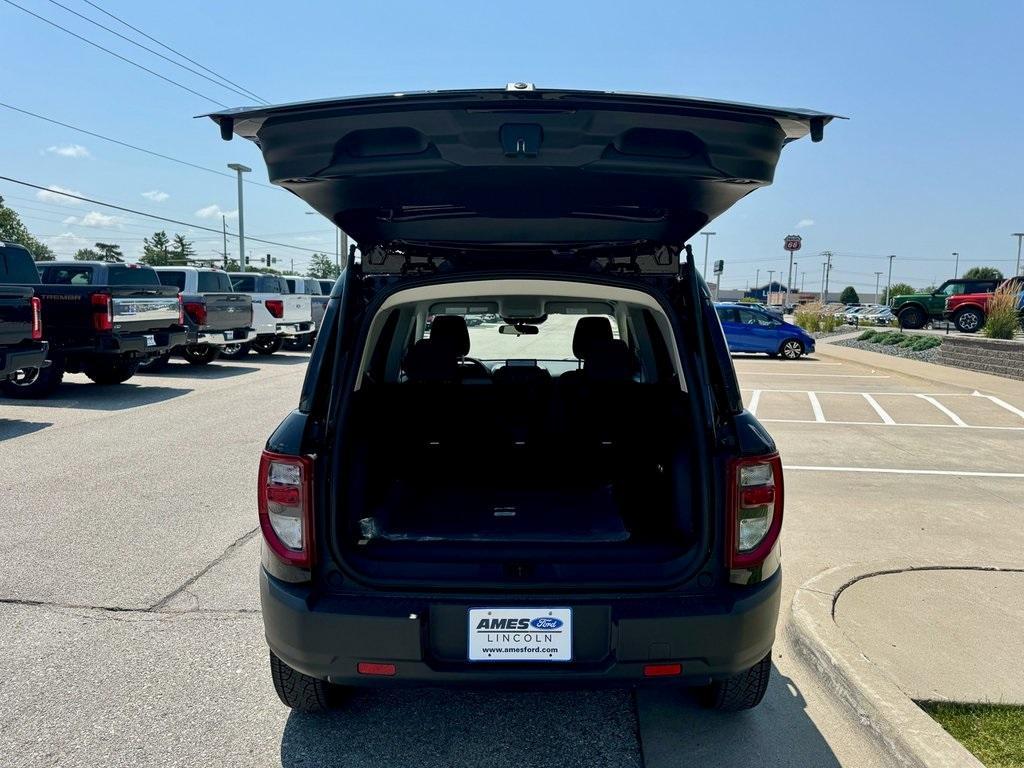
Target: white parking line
815,362
892,471
849,392
816,407
754,400
826,375
883,424
885,417
955,419
1000,403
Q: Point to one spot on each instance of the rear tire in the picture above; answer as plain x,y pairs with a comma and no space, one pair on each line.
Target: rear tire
234,351
302,692
969,320
155,364
742,691
200,354
912,318
267,345
114,371
791,349
33,383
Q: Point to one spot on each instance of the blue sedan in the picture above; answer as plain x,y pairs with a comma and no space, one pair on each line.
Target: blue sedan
749,328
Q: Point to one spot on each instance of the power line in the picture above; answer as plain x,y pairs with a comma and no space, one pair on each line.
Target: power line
150,50
175,52
151,215
132,146
125,59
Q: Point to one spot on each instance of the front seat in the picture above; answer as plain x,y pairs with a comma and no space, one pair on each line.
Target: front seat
591,335
449,332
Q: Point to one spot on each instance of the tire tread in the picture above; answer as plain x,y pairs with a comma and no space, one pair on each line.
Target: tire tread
301,692
742,691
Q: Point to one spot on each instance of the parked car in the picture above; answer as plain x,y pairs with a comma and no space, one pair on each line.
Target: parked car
597,549
307,286
215,315
915,310
21,330
968,311
101,319
749,328
277,314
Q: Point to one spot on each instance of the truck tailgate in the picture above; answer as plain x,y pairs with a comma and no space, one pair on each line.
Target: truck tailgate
226,311
297,309
145,310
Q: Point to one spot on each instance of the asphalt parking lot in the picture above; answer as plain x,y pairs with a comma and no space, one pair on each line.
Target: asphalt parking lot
129,620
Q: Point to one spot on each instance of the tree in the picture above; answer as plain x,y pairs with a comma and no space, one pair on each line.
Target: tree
109,252
182,250
983,273
13,231
88,254
156,250
849,295
898,289
323,267
929,289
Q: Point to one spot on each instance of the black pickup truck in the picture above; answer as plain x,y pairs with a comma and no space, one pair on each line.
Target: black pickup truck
21,332
100,319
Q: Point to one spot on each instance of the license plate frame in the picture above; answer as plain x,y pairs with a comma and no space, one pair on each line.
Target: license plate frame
518,634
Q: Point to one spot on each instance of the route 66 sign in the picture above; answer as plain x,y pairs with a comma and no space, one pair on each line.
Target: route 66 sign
792,243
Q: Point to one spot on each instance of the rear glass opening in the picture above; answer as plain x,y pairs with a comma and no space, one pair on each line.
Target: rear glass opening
512,438
214,282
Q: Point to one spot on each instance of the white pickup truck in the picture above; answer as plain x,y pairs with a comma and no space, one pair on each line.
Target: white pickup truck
277,314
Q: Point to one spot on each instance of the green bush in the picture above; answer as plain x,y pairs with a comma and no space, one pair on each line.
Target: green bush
1003,317
830,322
867,336
922,343
907,341
808,317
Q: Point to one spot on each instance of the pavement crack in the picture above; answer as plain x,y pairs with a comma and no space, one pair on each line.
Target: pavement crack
204,570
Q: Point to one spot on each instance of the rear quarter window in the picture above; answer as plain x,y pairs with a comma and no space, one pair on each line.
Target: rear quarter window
132,276
214,282
16,266
244,283
273,285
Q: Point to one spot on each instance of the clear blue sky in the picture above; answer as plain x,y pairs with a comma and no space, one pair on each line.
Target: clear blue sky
930,162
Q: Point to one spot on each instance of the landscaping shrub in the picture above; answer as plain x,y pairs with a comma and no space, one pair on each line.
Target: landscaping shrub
1003,316
830,322
867,336
808,317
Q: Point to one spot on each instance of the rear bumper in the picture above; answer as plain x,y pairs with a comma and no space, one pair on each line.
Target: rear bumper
15,358
712,637
138,344
295,329
221,338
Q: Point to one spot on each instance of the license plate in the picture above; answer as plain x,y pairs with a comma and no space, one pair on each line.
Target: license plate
150,341
229,335
520,634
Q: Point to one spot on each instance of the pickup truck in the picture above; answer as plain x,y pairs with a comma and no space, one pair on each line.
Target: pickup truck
307,286
277,314
215,314
968,311
915,310
100,319
21,329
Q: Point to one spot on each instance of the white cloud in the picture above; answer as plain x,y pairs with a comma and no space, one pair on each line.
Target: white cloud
156,195
311,239
66,244
804,223
68,150
50,195
94,219
215,212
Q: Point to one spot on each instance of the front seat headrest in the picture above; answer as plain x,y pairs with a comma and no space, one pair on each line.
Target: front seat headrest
613,361
428,362
451,333
590,333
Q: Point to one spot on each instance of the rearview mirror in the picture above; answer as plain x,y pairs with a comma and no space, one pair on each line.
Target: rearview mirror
518,330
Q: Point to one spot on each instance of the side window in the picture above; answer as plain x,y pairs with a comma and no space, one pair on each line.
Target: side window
292,285
727,314
750,317
67,275
955,289
176,279
244,284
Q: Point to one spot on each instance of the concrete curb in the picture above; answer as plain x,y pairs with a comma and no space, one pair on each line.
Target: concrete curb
908,733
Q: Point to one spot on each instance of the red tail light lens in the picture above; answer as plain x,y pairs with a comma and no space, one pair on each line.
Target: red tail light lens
286,506
102,312
181,311
755,509
275,307
196,311
37,319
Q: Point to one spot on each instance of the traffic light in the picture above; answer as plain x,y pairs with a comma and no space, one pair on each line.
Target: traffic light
719,266
268,259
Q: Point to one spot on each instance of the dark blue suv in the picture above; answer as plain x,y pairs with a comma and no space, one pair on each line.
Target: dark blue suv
567,489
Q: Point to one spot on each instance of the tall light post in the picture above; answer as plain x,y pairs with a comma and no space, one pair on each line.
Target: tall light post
956,265
877,276
707,239
757,279
888,285
224,229
240,169
1019,236
768,297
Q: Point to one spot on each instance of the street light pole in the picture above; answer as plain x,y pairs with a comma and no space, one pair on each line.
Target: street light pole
1019,236
224,228
956,264
877,276
707,240
757,279
888,285
240,169
821,299
828,270
769,295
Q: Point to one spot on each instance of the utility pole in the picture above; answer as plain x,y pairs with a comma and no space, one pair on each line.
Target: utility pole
768,297
802,276
224,227
240,169
821,299
1019,236
956,265
828,270
293,265
707,239
877,276
888,285
757,280
792,276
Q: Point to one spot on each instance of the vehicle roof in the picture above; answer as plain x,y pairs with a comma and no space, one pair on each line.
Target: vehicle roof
80,263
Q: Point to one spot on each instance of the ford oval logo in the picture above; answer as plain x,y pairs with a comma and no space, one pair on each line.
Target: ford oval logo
546,622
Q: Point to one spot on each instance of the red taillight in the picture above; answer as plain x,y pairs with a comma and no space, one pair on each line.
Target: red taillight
275,307
181,312
371,668
286,506
662,670
37,319
196,311
102,312
755,509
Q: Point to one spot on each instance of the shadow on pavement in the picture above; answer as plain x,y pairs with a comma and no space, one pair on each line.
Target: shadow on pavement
10,428
278,358
677,732
212,371
100,397
433,727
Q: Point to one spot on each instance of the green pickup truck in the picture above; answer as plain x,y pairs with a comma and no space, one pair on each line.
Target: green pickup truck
914,310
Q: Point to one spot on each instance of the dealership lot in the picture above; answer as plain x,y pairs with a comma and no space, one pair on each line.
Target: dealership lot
129,623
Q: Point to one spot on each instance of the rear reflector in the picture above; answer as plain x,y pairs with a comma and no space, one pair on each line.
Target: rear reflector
662,670
371,668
